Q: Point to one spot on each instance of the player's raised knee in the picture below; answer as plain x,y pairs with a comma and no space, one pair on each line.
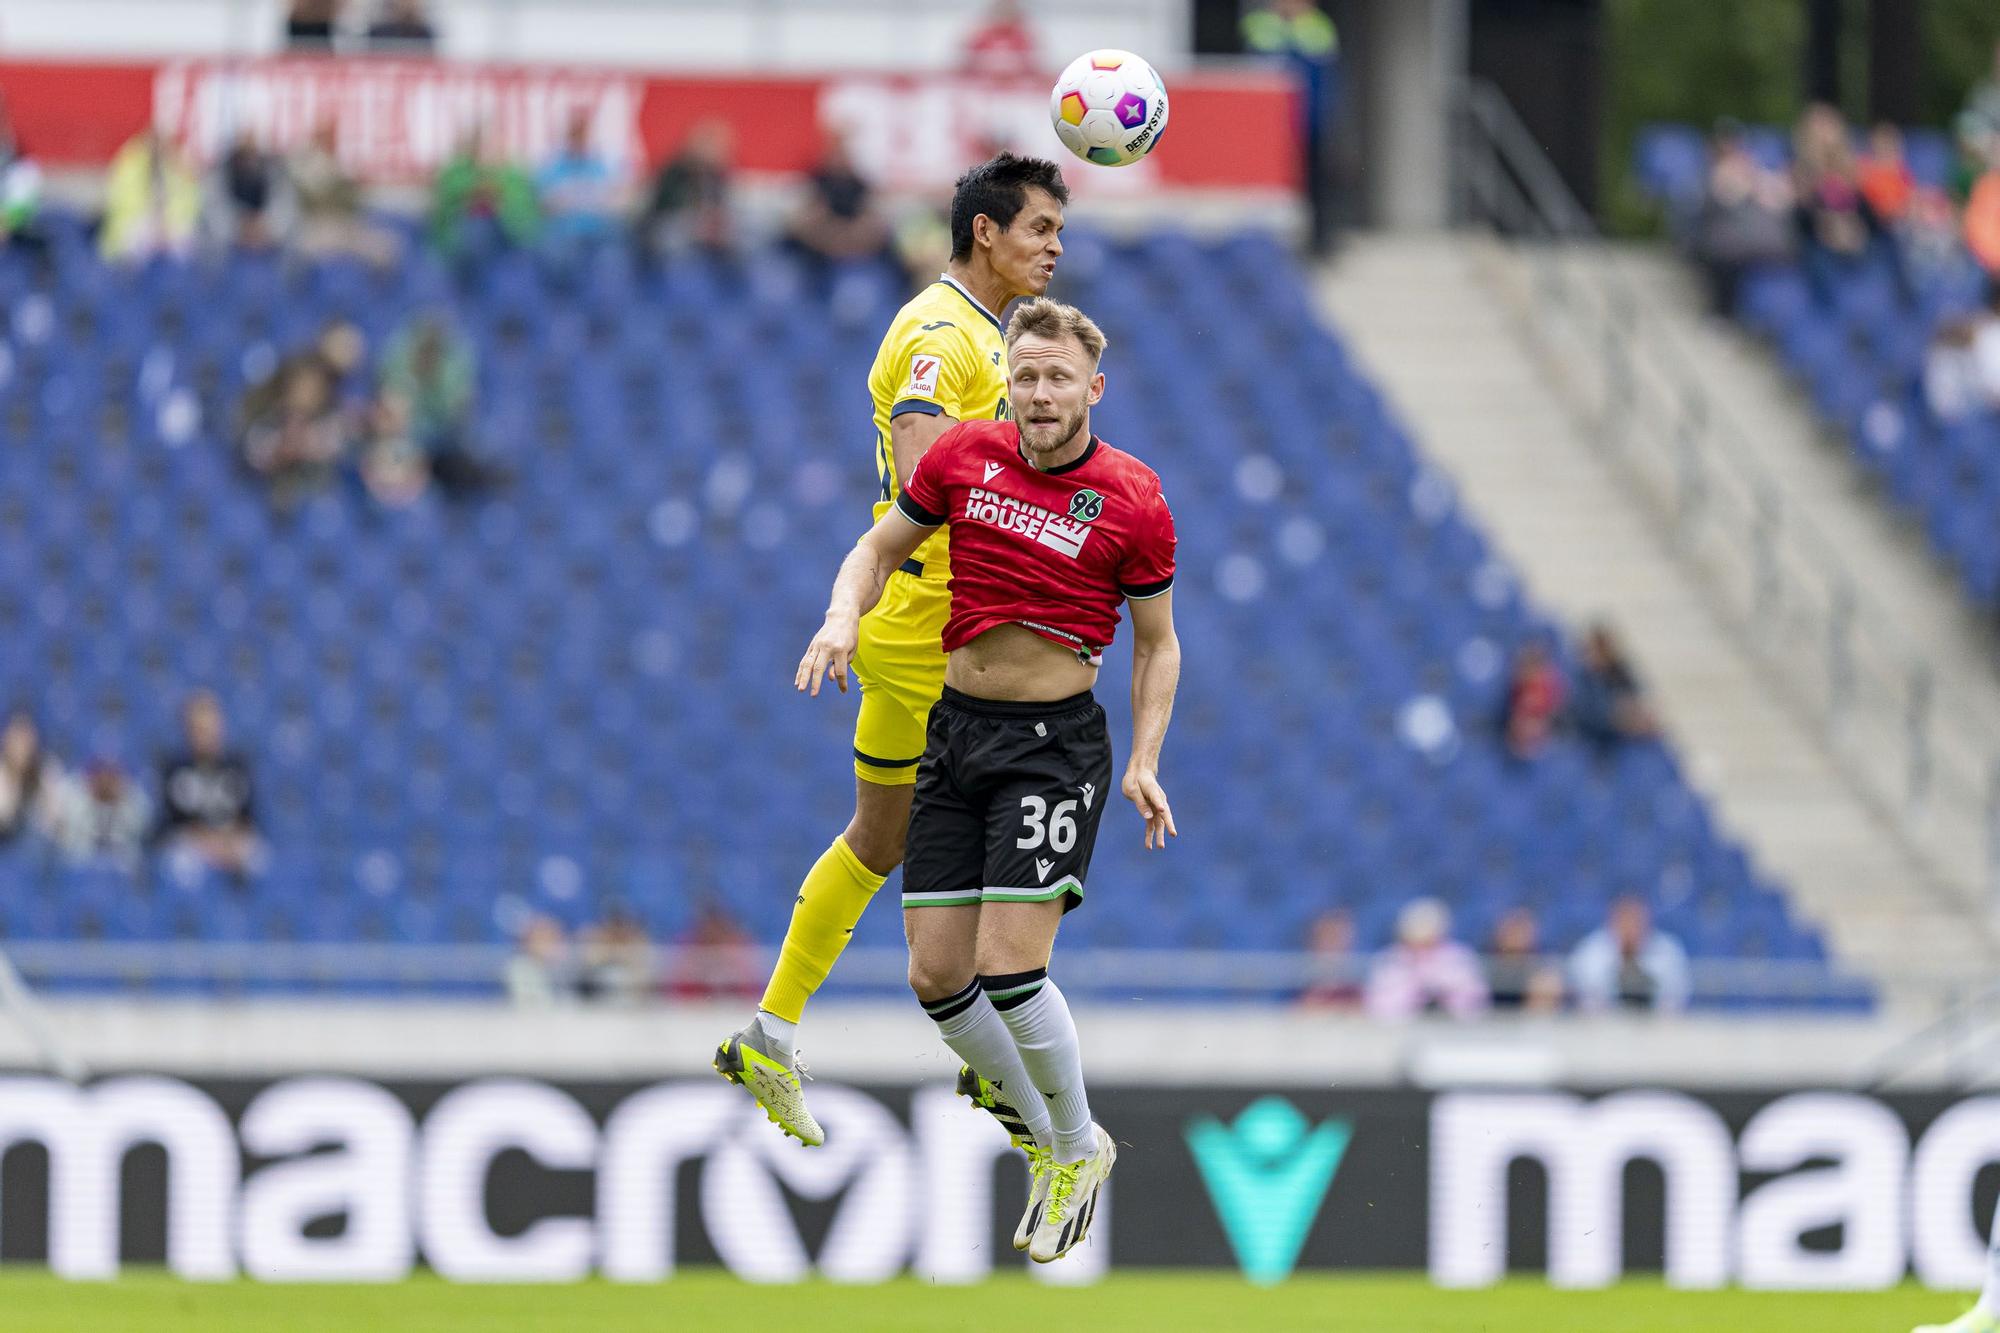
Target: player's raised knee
881,850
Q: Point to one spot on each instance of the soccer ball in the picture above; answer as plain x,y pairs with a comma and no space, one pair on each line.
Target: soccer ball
1109,107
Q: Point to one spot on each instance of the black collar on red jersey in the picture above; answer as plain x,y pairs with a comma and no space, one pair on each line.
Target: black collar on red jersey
946,280
1089,450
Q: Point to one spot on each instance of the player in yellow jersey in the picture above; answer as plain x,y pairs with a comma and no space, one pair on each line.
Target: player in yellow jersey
943,361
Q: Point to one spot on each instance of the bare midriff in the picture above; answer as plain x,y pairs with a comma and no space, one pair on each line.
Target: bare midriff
1015,663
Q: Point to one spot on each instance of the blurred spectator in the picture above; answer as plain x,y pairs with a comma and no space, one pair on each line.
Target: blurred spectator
689,207
428,378
481,202
30,778
1962,364
1884,175
580,193
295,425
394,469
617,959
1607,706
1003,45
1515,970
1336,969
311,24
100,817
1979,124
328,200
1426,971
249,201
1930,235
725,963
1299,33
207,819
1837,226
541,972
1626,962
402,28
152,200
296,443
1953,387
20,185
838,219
1919,222
1745,217
1534,701
1981,219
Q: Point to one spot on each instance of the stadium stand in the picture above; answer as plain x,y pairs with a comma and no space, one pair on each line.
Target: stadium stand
462,713
1858,350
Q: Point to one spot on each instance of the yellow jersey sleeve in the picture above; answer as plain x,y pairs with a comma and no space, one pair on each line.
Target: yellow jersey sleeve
938,371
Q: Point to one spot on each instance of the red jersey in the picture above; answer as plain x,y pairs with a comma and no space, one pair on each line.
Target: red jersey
1052,551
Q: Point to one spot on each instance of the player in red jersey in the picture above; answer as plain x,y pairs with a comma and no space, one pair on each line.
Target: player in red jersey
1051,528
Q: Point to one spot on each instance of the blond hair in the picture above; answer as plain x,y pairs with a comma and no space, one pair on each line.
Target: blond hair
1052,319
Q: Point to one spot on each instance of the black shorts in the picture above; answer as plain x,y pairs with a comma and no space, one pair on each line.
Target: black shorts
1007,802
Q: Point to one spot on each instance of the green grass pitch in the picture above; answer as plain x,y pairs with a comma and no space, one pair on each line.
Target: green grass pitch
1131,1302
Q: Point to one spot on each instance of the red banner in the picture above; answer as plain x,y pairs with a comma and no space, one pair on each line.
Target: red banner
396,120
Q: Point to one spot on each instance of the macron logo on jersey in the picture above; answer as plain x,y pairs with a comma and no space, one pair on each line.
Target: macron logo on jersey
992,469
923,375
1037,524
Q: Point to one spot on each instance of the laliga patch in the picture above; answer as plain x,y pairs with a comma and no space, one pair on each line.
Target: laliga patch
924,375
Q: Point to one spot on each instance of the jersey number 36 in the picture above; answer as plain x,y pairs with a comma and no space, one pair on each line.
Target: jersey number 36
1057,829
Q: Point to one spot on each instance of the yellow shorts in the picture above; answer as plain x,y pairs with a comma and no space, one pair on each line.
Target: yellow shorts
900,665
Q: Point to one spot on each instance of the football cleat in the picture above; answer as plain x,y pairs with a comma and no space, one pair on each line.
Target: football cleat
987,1096
1072,1199
745,1059
1975,1320
1040,1164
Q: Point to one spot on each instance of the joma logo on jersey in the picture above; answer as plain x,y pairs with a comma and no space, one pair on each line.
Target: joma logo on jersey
1031,521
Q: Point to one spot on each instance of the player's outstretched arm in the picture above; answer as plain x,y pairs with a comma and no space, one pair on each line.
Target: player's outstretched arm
1156,674
863,575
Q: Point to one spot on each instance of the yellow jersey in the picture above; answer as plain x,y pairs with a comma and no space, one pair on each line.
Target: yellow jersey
944,353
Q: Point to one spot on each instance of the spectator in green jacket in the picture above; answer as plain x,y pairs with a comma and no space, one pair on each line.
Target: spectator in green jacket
428,383
481,202
1299,33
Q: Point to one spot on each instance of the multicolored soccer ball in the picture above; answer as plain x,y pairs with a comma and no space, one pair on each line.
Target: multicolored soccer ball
1109,107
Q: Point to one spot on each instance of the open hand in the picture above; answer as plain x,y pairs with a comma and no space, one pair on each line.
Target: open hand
828,654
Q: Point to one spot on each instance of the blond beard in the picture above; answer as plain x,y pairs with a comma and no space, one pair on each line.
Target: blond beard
1063,433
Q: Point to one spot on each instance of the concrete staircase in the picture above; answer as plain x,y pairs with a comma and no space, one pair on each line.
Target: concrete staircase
1437,321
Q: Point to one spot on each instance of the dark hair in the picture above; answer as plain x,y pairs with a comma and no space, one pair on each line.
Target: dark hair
999,189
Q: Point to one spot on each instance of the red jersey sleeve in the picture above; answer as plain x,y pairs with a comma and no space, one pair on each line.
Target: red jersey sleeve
923,499
1147,568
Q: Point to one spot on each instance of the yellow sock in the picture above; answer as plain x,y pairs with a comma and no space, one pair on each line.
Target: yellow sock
836,892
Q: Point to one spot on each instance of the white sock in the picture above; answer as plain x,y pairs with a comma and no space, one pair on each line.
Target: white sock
781,1032
1038,1016
971,1026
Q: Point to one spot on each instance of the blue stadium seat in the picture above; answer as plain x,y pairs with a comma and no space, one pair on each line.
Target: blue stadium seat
574,690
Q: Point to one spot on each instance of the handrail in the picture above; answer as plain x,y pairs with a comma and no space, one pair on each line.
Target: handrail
1787,585
483,968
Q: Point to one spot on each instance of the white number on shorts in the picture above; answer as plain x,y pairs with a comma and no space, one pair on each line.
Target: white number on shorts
1059,829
